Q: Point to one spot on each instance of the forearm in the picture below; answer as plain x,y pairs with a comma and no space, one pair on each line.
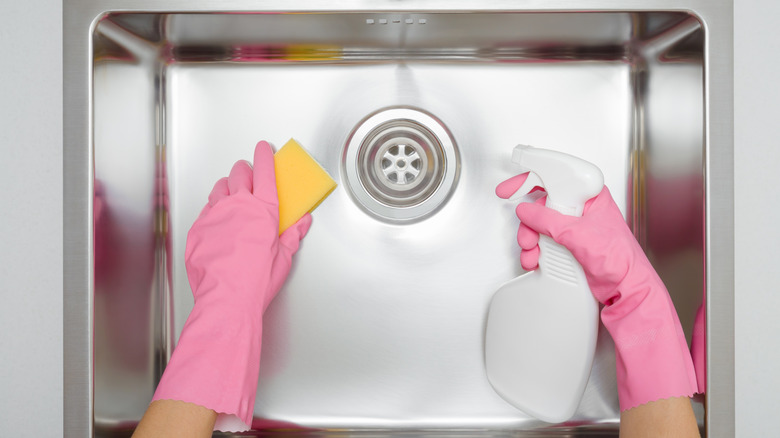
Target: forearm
173,418
671,417
652,357
654,370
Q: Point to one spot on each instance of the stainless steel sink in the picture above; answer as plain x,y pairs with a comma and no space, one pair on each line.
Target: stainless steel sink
379,329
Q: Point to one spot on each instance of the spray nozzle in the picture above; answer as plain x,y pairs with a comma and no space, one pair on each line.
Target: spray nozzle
569,181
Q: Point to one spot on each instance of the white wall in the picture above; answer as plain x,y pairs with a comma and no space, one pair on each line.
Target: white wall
31,218
31,212
757,215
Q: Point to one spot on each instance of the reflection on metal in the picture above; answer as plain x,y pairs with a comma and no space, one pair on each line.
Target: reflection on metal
381,323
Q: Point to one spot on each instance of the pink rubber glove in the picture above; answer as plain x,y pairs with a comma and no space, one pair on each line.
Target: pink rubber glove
653,361
236,263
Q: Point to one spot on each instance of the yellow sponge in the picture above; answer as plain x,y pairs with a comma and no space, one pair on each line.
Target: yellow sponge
301,183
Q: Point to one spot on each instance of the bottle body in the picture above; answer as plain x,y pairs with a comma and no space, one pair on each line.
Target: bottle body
541,336
542,326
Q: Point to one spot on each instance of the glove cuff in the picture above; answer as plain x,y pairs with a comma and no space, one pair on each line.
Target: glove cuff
652,356
216,365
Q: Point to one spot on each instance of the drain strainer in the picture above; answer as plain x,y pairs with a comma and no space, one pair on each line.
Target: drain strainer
400,163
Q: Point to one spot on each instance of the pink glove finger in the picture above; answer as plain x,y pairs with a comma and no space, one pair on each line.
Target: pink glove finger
528,240
240,178
203,212
545,220
526,237
265,174
219,191
529,259
291,238
508,187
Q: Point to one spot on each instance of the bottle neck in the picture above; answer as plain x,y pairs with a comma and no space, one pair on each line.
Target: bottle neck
557,262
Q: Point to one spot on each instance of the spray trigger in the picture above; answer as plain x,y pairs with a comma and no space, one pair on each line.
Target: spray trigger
524,192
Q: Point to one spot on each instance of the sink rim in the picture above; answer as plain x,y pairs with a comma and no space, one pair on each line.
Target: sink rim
80,15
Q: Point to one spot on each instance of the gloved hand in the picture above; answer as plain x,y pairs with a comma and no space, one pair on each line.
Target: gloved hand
653,361
236,263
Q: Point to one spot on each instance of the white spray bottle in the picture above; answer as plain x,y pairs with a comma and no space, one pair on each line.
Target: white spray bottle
542,326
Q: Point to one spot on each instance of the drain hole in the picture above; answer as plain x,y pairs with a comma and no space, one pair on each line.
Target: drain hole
396,161
401,163
384,163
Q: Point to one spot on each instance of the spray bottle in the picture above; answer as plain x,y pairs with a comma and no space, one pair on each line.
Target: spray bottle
542,326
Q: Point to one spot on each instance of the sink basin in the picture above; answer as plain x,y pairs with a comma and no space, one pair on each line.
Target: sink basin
380,326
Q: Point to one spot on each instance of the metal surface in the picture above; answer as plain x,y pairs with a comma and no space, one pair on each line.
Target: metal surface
381,323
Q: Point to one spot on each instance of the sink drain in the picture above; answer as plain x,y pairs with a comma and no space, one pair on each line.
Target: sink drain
400,164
